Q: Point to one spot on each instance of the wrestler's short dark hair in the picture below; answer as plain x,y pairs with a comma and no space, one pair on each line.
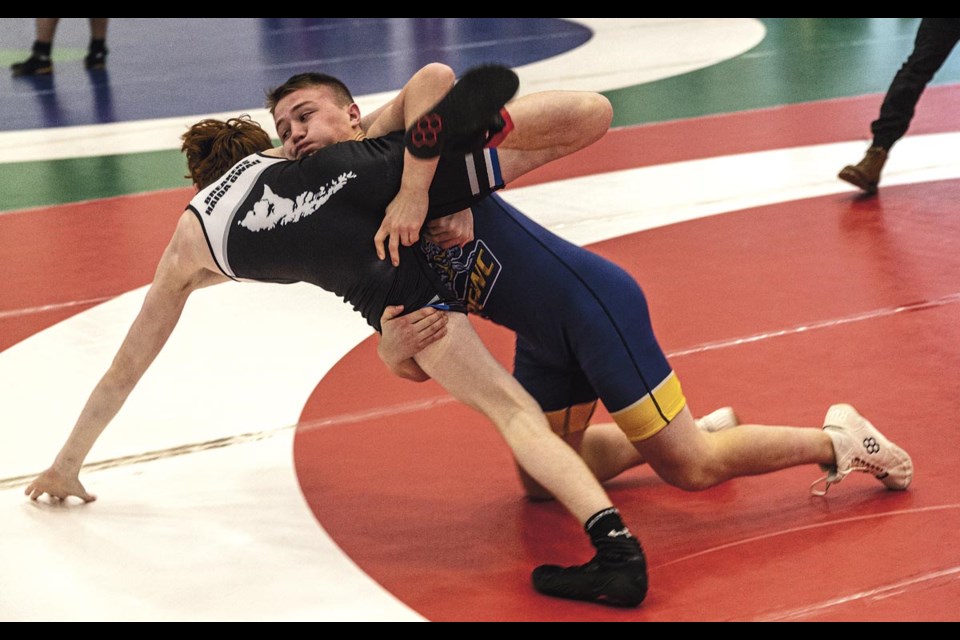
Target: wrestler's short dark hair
214,146
305,81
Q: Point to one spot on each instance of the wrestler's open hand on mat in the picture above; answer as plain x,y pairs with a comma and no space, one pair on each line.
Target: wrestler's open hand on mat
59,486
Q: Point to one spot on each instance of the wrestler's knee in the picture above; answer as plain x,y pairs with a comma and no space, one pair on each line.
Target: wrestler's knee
690,463
682,455
690,476
600,111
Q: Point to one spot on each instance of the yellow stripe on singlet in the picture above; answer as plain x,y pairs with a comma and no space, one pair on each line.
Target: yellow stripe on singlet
643,419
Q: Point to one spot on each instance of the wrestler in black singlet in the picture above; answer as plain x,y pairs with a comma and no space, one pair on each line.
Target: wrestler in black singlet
313,220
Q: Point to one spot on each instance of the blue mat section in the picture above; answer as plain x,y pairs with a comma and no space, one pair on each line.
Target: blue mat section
166,67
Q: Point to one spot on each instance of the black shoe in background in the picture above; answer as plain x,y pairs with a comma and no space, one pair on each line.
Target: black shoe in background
35,65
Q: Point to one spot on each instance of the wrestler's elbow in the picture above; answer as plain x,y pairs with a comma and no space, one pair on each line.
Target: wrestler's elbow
438,74
596,114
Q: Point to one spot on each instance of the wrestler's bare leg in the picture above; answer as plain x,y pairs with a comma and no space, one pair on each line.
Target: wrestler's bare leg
46,28
603,447
687,457
692,459
549,125
463,366
608,452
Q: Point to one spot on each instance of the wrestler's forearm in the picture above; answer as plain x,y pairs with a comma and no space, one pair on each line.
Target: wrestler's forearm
146,337
418,174
407,211
104,403
163,304
421,93
369,120
424,90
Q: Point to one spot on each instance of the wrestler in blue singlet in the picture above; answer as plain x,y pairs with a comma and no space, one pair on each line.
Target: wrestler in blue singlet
582,323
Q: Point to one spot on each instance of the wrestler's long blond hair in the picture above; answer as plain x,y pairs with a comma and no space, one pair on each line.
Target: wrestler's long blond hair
214,146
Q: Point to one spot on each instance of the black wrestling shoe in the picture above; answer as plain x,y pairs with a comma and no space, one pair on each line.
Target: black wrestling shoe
33,66
469,117
95,60
619,584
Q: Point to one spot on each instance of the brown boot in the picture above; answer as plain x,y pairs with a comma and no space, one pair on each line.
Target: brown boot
866,173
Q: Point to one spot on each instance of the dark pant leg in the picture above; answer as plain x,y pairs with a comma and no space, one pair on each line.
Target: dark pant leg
935,39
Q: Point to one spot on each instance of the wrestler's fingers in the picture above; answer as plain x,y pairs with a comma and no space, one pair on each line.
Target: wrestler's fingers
424,322
439,319
436,326
410,238
378,241
430,338
422,314
431,329
391,312
395,250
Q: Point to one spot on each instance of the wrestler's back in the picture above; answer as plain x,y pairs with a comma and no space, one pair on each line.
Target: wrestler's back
314,220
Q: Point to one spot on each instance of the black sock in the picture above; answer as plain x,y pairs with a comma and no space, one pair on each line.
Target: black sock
42,49
98,46
611,537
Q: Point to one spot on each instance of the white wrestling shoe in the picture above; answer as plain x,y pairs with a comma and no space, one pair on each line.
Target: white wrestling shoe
721,419
859,446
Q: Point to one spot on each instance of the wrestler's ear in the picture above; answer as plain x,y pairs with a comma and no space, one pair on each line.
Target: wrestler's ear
354,111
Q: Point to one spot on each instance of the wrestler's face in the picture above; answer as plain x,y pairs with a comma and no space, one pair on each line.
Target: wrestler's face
312,118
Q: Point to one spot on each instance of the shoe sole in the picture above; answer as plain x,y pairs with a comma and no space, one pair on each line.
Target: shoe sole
613,591
45,71
478,97
846,418
463,117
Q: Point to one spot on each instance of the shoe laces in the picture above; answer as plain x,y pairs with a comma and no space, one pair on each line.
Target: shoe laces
827,480
834,475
